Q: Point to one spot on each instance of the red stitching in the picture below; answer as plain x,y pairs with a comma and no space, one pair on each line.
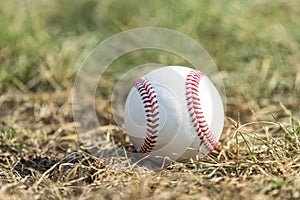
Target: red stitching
149,99
195,109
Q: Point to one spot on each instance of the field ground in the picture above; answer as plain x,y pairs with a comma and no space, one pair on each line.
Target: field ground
256,46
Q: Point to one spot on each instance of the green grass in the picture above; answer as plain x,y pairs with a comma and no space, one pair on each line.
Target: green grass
257,40
255,44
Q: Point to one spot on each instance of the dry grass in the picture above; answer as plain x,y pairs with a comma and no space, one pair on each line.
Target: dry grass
41,155
257,160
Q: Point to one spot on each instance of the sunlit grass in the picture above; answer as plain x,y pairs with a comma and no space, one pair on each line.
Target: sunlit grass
255,44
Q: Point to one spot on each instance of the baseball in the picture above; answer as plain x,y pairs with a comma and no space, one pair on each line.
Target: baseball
174,112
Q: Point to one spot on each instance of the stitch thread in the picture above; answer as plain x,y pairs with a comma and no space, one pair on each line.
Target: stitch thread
195,109
149,99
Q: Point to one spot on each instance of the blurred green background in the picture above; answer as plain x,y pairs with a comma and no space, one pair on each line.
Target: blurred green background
255,44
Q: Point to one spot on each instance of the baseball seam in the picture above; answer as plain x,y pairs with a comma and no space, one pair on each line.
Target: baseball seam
149,99
196,113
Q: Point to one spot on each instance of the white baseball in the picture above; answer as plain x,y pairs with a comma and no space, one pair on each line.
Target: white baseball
174,112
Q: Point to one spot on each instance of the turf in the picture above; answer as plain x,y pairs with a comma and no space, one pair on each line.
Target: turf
256,46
